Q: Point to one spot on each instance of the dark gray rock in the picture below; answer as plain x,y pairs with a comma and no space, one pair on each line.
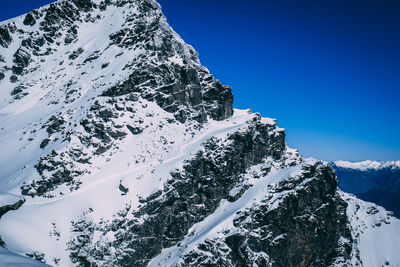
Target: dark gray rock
30,18
303,230
134,130
5,36
21,60
185,96
13,78
7,208
123,189
312,221
53,172
55,124
44,143
76,53
84,5
36,256
17,90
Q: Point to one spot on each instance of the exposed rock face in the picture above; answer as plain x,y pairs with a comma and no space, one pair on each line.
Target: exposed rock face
186,87
7,208
109,117
304,230
5,35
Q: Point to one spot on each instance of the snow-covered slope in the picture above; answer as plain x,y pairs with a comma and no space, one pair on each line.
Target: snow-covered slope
10,259
373,229
121,149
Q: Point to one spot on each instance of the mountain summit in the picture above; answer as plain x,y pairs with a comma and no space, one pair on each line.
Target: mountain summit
120,149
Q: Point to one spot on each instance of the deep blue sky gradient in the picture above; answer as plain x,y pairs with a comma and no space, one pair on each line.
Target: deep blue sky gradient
329,71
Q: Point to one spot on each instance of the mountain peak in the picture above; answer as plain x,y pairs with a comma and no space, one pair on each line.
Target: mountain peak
114,45
120,149
367,164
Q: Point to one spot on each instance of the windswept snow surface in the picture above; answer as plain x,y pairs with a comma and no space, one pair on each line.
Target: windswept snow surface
21,121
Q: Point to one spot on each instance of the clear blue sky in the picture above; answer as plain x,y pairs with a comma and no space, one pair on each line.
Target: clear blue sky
329,71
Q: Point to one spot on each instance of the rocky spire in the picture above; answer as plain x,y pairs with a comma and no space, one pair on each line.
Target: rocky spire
166,70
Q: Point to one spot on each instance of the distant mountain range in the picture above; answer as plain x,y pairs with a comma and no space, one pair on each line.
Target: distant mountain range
373,181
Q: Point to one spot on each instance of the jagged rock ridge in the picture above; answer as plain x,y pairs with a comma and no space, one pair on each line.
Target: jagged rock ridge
121,149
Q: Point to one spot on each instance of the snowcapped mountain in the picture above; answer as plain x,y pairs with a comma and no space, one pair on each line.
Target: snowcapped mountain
368,165
120,149
373,181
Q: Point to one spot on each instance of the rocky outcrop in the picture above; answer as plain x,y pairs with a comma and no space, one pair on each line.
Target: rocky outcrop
189,93
5,34
7,208
190,196
309,227
169,73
